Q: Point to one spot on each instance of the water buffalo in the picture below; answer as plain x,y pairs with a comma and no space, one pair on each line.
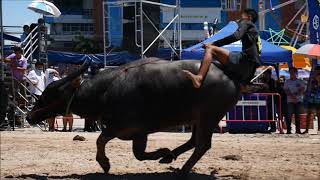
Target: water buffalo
144,97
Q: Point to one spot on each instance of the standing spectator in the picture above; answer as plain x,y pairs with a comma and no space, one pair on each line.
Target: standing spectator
26,31
42,34
37,79
280,90
18,65
268,81
294,88
270,85
313,98
51,75
67,119
35,40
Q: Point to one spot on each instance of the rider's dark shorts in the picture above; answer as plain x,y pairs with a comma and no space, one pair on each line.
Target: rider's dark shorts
240,67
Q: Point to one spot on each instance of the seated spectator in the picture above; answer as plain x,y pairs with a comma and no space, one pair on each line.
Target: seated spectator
312,98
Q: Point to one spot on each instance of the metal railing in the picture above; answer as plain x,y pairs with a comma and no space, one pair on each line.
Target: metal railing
30,44
257,108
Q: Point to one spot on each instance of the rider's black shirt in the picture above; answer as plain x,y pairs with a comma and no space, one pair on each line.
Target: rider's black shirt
249,36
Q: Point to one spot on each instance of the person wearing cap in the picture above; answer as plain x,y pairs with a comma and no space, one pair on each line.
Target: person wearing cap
294,89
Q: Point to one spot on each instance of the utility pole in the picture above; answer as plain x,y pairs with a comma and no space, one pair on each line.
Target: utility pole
2,42
262,23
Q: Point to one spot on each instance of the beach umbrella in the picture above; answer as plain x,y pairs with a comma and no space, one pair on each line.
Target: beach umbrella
45,8
310,50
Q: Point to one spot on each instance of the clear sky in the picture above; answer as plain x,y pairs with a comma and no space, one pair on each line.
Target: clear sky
16,13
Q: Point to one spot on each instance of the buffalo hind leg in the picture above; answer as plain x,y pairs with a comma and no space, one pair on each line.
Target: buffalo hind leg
101,153
139,145
181,149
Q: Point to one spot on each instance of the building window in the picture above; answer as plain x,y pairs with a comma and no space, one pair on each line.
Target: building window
231,5
75,28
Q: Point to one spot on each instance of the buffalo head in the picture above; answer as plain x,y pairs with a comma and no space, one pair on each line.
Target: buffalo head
55,97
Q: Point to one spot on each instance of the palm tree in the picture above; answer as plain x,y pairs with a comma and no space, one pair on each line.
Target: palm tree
85,45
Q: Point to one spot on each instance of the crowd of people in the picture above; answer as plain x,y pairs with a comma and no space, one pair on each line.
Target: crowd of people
36,78
297,97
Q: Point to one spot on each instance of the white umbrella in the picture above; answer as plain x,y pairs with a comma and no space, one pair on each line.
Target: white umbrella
45,8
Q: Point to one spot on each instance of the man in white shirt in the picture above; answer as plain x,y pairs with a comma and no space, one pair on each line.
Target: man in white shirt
294,89
37,79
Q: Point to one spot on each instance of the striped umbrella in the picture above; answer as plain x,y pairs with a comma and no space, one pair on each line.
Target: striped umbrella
310,50
45,8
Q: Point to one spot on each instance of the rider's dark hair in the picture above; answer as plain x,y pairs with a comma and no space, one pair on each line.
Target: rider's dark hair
253,13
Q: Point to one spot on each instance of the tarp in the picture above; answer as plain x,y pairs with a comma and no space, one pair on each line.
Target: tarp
271,54
113,59
10,38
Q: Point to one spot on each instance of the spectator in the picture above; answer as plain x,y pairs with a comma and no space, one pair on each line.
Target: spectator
270,85
67,119
18,64
36,78
313,98
51,75
268,81
294,89
26,31
35,38
42,34
280,90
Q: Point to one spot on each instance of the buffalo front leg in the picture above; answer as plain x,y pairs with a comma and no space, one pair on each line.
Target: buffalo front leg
139,145
101,153
181,149
202,145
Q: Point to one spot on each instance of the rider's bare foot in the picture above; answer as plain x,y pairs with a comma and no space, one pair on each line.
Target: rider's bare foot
196,79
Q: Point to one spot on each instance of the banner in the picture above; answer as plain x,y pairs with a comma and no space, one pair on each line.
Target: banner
314,15
193,15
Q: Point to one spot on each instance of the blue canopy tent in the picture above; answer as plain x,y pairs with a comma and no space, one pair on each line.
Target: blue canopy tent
10,38
271,54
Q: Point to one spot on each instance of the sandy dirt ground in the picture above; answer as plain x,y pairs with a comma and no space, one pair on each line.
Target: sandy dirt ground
33,154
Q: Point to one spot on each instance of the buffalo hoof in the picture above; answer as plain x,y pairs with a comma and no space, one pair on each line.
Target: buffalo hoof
167,159
104,163
168,156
